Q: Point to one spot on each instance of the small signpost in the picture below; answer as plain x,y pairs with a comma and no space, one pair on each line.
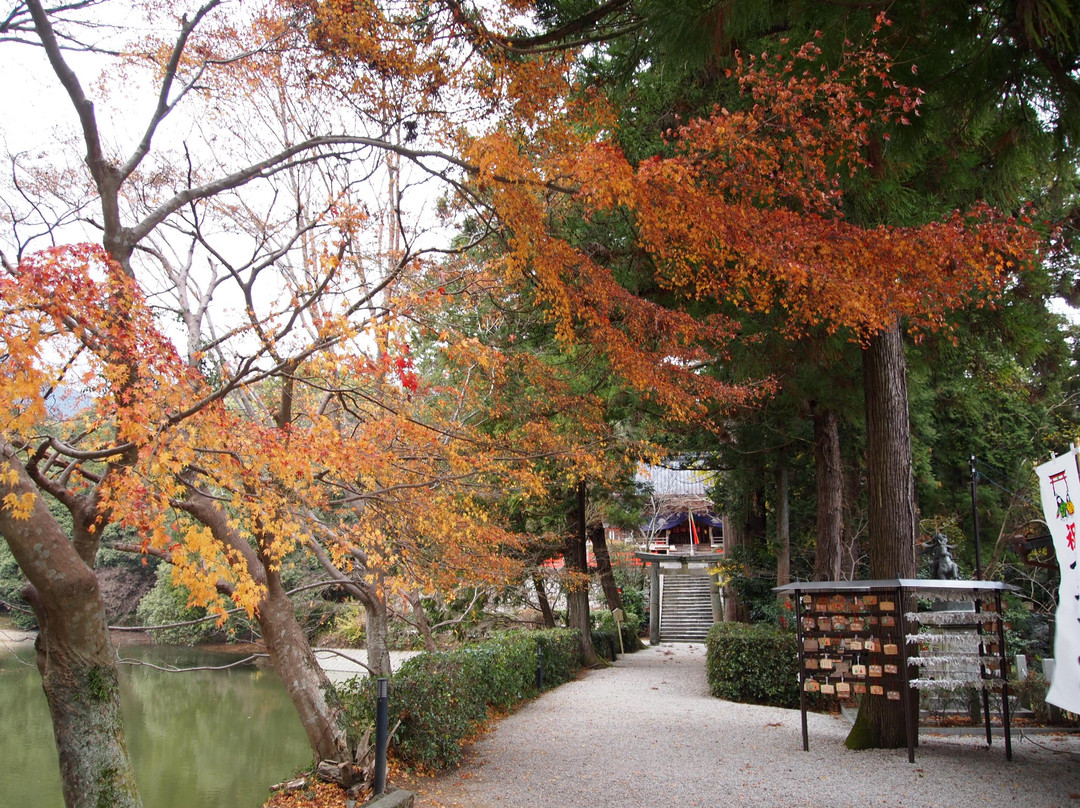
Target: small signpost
619,615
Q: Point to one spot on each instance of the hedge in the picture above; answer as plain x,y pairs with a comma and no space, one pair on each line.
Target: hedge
757,664
441,698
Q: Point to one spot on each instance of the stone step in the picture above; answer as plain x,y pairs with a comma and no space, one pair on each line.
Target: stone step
686,613
684,636
693,619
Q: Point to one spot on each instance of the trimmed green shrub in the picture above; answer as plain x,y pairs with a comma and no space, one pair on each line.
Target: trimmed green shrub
605,643
562,654
757,664
631,629
441,698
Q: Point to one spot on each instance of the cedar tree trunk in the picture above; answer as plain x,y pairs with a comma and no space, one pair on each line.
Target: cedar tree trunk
603,567
74,653
891,509
751,531
577,587
783,524
828,474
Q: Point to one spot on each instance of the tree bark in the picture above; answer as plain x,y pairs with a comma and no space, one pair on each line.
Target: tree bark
603,567
750,531
783,523
321,714
733,538
421,621
577,587
74,652
890,484
828,474
290,652
891,509
377,617
545,605
376,614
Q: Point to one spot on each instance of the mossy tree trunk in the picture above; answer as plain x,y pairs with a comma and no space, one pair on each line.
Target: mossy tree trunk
891,506
74,653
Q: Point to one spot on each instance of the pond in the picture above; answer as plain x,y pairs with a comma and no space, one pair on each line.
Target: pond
199,738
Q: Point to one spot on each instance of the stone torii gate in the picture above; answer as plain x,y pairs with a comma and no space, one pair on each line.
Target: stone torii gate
698,564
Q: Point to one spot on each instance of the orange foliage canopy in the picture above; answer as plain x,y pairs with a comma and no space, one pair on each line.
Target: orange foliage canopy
372,465
395,471
746,211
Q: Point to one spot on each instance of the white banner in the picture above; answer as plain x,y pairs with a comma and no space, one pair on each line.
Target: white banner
1059,485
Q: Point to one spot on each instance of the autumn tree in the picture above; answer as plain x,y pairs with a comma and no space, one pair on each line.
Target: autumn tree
119,461
218,453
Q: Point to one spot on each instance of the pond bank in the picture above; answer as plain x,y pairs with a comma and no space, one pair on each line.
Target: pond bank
340,664
203,737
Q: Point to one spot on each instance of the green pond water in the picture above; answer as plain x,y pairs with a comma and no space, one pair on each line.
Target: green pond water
200,739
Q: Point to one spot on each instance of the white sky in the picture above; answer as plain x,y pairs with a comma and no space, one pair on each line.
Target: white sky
40,122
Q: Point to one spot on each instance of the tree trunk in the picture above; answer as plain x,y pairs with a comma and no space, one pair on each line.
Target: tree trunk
577,585
290,652
377,617
545,605
74,653
854,524
421,621
891,509
828,474
603,567
783,523
312,695
733,539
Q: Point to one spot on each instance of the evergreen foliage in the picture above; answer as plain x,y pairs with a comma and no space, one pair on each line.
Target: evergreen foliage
754,664
437,700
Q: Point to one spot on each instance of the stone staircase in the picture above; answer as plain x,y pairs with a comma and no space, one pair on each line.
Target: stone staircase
685,608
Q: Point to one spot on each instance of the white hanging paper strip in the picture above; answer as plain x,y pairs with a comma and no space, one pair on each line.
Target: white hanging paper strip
954,643
951,618
948,684
956,659
1058,482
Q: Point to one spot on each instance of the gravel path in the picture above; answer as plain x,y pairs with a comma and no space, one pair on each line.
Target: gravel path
646,732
